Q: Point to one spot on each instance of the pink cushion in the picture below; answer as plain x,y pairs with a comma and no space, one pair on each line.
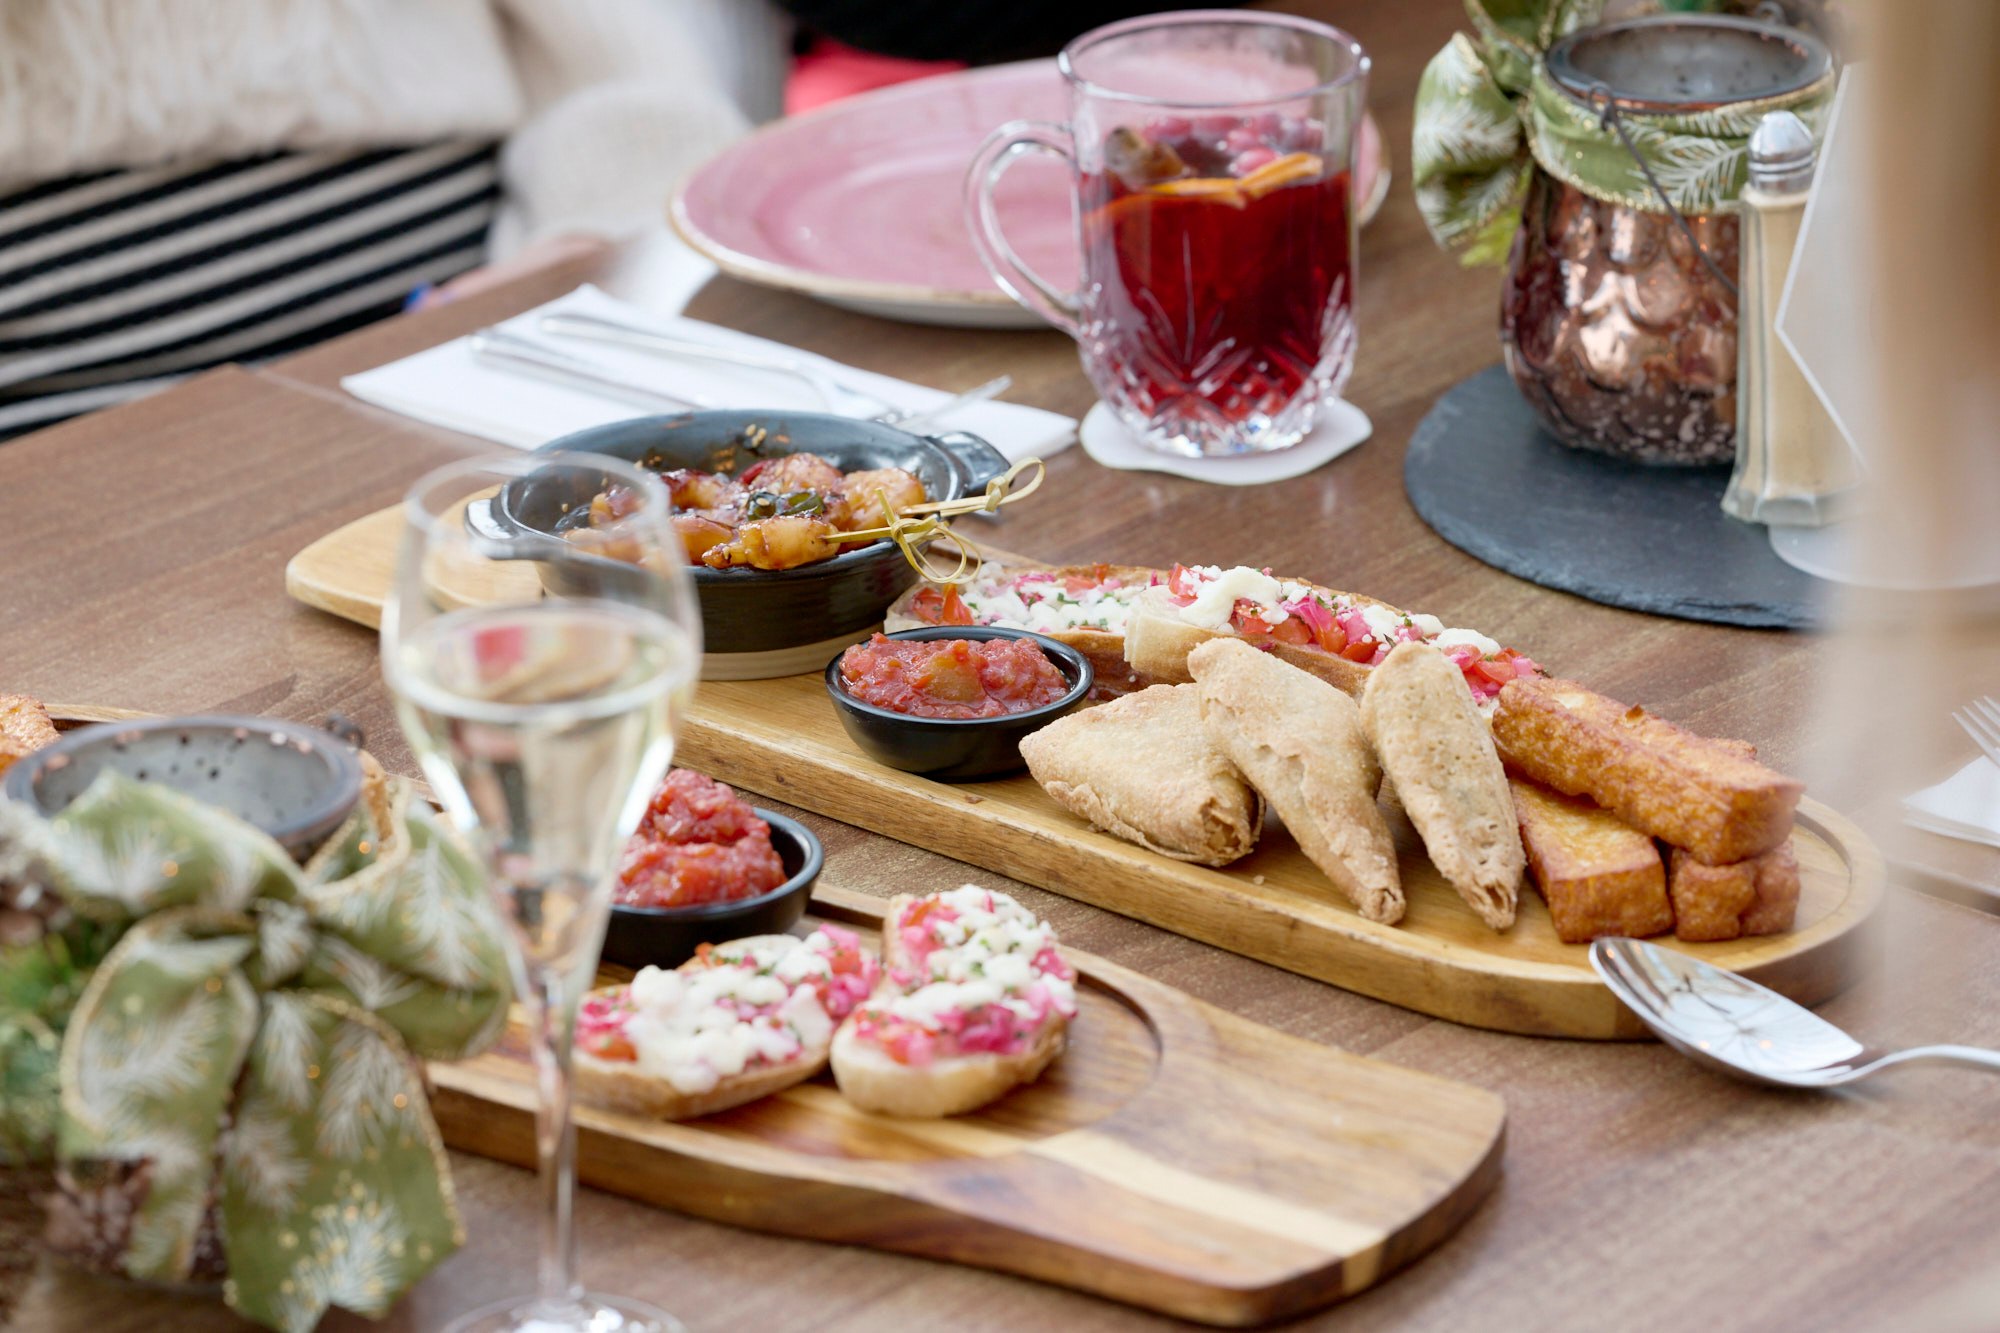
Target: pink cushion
830,71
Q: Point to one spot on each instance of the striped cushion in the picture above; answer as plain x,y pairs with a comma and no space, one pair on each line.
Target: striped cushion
118,284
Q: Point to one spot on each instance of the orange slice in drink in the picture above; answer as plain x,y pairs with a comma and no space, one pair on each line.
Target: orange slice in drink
1214,189
1287,170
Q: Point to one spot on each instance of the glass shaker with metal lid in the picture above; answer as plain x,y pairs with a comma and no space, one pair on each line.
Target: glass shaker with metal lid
1793,466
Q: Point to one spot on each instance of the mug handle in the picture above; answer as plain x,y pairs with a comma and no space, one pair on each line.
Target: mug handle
982,217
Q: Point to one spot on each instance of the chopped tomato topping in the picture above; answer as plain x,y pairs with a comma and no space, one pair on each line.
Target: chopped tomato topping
941,606
1361,650
612,1046
1244,615
1499,672
1292,630
915,916
1181,584
1333,638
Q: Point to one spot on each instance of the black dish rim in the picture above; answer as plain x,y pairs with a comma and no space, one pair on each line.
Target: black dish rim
812,861
22,782
1059,653
832,566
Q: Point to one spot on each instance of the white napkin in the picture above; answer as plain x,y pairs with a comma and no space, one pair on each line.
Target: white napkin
448,386
1965,805
1113,444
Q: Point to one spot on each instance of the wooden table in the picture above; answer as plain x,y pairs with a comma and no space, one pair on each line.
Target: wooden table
143,551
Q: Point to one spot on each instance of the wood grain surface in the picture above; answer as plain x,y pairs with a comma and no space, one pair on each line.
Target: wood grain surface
1176,1157
142,555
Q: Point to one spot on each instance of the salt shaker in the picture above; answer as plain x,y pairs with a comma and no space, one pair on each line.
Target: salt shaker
1793,466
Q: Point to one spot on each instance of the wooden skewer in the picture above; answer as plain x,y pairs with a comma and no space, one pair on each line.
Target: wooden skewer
912,528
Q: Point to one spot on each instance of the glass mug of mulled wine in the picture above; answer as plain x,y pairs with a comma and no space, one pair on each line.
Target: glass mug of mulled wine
1211,153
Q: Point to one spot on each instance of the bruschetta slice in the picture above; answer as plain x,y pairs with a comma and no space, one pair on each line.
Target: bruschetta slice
977,1000
1138,625
1337,636
1084,606
737,1022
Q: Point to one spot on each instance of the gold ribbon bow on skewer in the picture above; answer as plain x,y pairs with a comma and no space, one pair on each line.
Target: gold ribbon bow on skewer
914,528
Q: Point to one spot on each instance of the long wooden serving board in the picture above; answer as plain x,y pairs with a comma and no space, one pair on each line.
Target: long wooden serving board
780,738
1176,1157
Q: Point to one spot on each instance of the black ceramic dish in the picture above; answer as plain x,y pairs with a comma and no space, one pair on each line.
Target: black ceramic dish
297,783
956,749
668,936
756,610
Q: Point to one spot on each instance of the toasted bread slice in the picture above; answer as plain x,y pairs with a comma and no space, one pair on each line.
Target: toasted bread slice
1141,767
24,728
1709,901
1105,647
1777,887
1158,641
871,1079
1759,896
619,1085
1599,875
1703,795
876,1081
1299,742
1437,751
694,1004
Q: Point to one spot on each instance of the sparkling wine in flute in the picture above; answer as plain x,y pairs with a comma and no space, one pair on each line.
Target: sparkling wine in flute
543,730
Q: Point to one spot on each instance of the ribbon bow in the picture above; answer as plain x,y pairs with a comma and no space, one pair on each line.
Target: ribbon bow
251,1038
1488,113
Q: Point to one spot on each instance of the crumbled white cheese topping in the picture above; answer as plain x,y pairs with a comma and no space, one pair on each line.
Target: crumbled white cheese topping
1046,604
1454,638
1382,622
985,956
695,1028
1219,591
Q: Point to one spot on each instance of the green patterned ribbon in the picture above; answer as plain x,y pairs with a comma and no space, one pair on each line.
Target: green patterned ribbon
252,1037
1487,113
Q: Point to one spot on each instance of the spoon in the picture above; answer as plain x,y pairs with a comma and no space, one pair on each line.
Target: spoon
1732,1024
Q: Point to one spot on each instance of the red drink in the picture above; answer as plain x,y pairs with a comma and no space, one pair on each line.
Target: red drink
1222,300
1215,307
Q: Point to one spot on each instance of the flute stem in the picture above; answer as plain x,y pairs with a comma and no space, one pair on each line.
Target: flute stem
552,1020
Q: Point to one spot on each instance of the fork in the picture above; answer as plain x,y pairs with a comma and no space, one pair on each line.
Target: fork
1981,721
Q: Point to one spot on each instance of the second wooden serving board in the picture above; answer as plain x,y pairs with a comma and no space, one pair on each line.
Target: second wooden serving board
1176,1157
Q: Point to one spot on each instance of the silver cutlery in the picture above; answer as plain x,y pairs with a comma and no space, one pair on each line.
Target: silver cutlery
840,397
1981,720
922,418
524,356
1733,1025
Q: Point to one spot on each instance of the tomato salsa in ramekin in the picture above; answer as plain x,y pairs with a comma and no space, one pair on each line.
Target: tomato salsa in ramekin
955,679
1001,692
698,842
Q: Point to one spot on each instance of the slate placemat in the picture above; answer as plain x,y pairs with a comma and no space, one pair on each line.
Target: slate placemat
1483,473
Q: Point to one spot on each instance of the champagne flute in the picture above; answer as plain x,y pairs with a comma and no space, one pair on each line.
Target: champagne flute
542,644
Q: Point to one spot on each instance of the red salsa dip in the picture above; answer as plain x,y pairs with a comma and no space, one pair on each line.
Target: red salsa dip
954,679
697,843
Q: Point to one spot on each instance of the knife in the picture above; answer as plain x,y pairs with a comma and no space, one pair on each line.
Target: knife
522,356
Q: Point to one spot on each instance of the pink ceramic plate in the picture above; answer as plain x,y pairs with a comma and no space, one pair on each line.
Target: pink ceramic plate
859,204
